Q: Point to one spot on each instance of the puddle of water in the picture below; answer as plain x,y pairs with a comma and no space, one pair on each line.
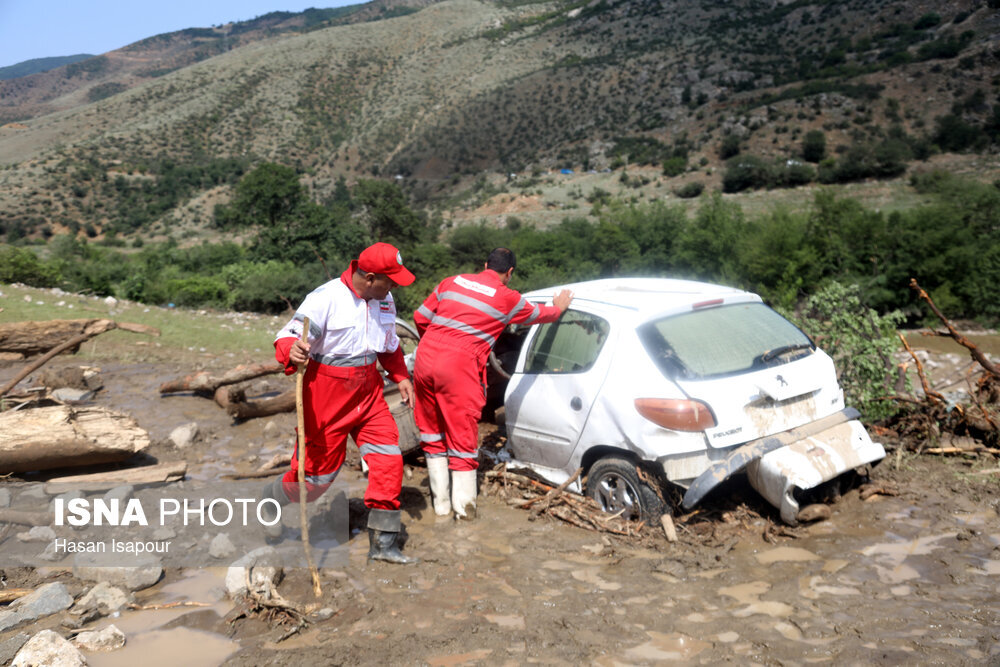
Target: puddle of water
511,622
977,518
749,594
814,588
746,593
785,554
458,658
167,648
590,576
893,569
674,646
990,567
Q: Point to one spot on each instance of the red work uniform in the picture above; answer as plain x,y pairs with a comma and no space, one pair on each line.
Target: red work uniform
459,323
342,389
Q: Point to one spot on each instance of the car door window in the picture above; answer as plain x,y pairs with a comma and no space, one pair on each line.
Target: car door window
569,345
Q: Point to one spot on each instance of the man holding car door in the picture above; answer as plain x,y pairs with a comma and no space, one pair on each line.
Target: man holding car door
458,324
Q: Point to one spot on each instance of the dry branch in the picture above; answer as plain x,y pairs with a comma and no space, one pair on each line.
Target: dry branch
953,333
33,337
206,384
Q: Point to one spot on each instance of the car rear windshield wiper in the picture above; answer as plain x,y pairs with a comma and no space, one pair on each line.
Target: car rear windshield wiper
784,349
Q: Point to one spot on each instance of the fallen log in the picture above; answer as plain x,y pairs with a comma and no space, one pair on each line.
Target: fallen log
31,338
206,384
14,334
237,407
62,436
102,481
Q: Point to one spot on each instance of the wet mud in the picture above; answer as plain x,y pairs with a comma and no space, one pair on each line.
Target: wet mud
912,578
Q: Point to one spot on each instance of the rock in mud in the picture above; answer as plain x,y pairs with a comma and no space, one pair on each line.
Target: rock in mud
130,578
49,649
221,546
10,647
816,512
38,534
265,571
103,597
107,639
44,601
184,436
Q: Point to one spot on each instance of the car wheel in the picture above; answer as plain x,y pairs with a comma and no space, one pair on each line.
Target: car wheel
614,483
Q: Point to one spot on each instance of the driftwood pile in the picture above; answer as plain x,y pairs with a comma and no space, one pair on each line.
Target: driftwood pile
231,398
932,424
520,490
40,432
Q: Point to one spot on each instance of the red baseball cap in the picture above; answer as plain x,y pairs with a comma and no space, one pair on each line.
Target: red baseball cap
385,258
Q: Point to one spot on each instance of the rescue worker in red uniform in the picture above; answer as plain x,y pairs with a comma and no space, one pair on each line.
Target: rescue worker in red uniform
352,322
458,324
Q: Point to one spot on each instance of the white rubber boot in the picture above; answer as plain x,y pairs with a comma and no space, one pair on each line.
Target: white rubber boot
437,472
463,494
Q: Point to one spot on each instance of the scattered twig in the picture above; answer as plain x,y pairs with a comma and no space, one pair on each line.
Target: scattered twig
928,392
547,500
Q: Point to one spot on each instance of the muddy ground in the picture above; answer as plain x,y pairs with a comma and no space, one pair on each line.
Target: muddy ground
910,578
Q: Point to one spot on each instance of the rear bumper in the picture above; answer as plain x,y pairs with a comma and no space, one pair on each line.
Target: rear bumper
809,462
800,458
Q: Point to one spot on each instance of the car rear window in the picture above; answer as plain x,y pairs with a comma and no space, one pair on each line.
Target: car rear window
722,341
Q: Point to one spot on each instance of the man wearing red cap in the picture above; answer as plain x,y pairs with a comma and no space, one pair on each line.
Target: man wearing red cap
458,324
352,322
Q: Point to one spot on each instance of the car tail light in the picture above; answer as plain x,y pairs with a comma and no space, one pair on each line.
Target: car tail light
677,414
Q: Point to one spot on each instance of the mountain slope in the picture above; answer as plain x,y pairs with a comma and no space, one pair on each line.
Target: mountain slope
464,86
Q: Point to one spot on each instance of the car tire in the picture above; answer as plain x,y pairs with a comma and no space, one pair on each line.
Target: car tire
615,484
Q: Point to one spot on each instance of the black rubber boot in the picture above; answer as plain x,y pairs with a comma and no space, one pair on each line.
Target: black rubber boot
272,491
383,537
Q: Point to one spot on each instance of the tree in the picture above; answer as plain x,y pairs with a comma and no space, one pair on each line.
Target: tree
814,146
386,212
729,147
266,195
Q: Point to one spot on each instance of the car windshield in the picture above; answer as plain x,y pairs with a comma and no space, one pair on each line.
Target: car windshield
722,341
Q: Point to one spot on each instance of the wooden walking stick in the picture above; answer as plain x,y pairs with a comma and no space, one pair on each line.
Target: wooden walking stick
300,412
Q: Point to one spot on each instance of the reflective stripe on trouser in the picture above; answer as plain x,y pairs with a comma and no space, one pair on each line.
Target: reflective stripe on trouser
343,401
449,400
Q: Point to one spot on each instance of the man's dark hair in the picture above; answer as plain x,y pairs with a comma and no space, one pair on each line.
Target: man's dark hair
501,260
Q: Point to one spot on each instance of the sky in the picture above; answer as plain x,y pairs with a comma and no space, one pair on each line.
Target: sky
46,28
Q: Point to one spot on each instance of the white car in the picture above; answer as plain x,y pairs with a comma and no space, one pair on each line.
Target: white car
647,382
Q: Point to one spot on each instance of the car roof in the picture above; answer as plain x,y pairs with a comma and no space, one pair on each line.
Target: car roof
644,297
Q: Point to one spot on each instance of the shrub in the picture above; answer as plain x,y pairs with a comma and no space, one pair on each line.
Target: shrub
861,343
19,265
729,147
674,166
745,172
814,146
690,190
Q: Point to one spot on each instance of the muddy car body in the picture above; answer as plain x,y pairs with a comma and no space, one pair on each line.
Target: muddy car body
644,383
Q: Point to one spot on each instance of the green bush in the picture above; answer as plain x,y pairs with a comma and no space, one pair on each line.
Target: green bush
197,291
19,265
745,172
690,190
814,146
861,343
674,166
